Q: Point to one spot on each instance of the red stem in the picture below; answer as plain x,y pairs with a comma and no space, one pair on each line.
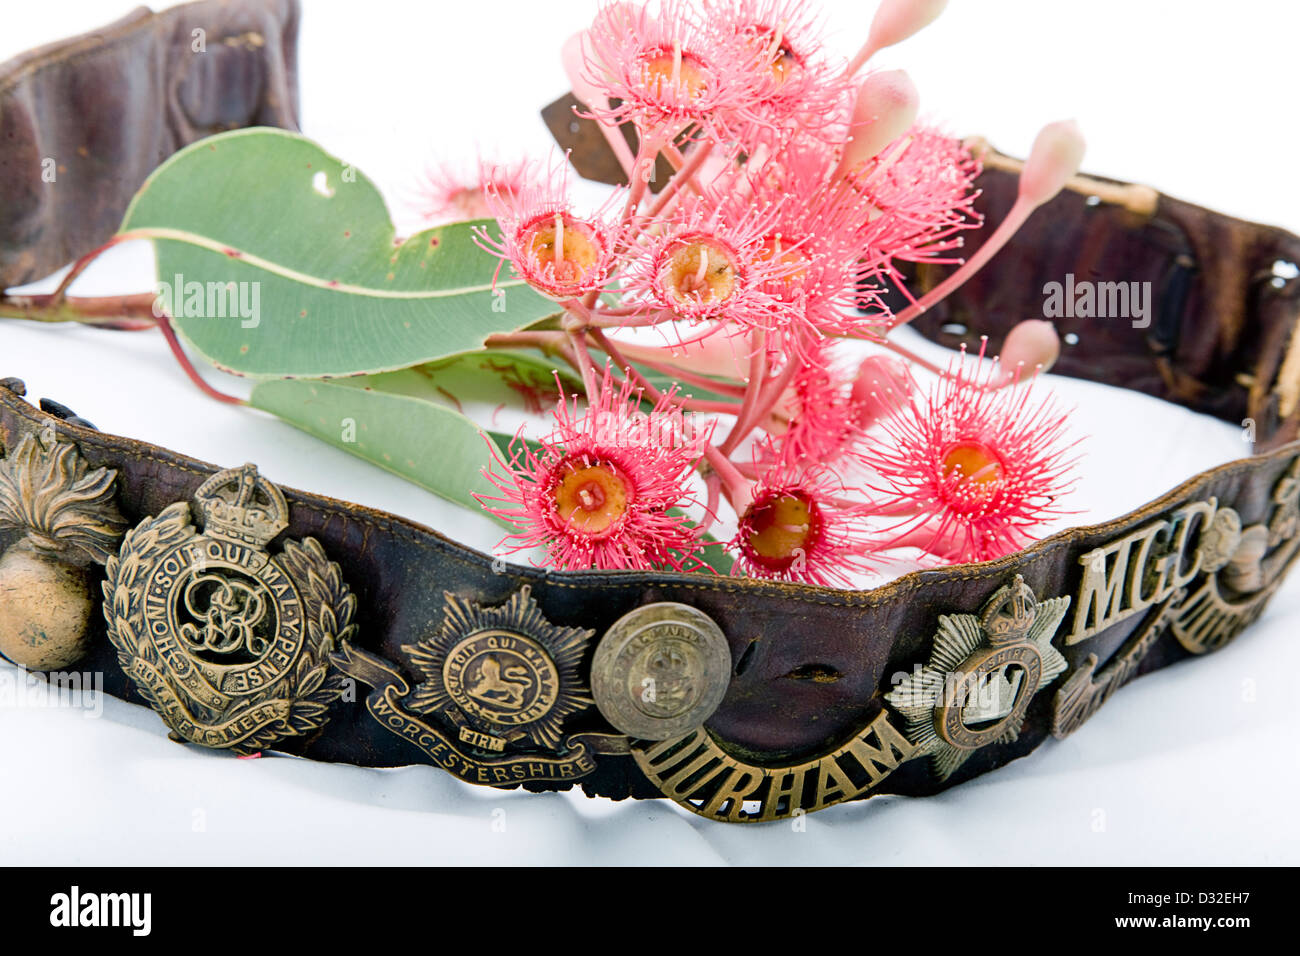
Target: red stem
165,326
684,175
753,390
1015,219
81,265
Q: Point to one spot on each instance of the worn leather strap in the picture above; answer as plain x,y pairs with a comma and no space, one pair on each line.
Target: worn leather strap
809,666
1224,298
85,120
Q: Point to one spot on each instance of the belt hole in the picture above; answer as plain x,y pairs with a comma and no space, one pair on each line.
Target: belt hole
743,663
817,673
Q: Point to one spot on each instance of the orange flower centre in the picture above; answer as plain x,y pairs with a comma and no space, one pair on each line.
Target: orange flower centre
592,499
781,530
699,271
977,468
565,246
675,73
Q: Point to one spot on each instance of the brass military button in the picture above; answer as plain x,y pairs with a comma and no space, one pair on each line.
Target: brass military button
660,671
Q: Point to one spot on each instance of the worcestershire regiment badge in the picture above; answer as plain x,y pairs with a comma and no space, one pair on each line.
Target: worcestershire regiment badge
229,644
495,688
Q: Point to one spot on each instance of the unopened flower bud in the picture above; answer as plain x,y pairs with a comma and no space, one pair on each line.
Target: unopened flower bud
1055,157
718,355
894,22
1031,345
883,384
885,109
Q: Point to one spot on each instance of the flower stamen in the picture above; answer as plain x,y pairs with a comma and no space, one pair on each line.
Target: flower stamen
675,73
562,247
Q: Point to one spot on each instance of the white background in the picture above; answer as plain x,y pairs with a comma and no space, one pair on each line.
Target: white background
1195,764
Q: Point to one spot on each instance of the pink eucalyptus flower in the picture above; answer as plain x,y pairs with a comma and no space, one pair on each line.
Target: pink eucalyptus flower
668,69
922,189
797,528
446,194
823,240
983,467
709,261
798,89
823,419
560,254
597,491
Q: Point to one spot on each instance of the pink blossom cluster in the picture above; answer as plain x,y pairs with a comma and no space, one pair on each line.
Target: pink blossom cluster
800,183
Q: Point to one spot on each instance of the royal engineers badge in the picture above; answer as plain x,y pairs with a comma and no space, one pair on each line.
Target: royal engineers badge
983,671
496,686
228,643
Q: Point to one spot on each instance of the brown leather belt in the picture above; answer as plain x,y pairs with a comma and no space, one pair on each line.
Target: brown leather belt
364,638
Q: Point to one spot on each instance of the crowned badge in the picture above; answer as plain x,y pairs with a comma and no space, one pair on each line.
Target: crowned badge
983,671
228,643
502,675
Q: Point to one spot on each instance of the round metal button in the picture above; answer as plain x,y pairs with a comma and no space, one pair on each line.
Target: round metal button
660,671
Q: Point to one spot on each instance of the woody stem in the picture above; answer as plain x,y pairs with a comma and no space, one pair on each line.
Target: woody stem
124,313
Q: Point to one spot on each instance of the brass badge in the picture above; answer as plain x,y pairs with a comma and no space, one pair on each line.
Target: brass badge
68,520
1154,570
229,644
1085,690
498,683
983,671
1243,567
1239,569
696,772
660,671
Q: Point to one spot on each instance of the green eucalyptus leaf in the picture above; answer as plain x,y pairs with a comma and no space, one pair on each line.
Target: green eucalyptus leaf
429,444
716,555
322,287
382,419
498,376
